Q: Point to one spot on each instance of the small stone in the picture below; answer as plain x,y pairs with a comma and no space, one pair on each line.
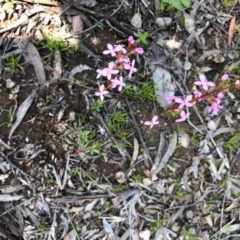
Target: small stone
163,21
218,58
18,7
145,235
189,23
173,44
2,14
10,83
184,139
137,20
187,66
120,177
147,182
211,125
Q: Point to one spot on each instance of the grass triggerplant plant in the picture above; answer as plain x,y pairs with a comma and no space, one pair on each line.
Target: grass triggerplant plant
116,71
114,76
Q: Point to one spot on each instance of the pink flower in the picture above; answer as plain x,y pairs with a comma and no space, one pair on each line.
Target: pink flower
237,83
125,60
111,50
204,82
118,82
198,95
120,48
102,72
224,77
101,92
139,50
184,102
111,70
131,40
220,95
183,116
215,107
170,99
130,68
153,122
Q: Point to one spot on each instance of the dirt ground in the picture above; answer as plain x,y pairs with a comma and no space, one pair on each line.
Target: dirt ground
75,167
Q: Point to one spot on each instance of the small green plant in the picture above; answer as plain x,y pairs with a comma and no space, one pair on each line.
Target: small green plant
120,188
43,228
86,139
12,63
227,3
8,114
138,178
99,25
233,143
117,120
189,234
177,4
142,38
54,43
75,171
141,93
90,176
97,105
211,202
106,204
94,148
50,179
55,39
8,5
156,225
98,214
84,136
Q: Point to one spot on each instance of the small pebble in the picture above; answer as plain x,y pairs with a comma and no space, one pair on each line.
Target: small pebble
137,20
163,21
145,235
2,14
10,83
187,66
120,177
211,125
189,23
184,139
15,90
147,182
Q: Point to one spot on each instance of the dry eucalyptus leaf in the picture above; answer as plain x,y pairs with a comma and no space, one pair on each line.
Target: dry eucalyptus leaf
135,151
9,197
22,110
32,56
170,150
57,65
75,70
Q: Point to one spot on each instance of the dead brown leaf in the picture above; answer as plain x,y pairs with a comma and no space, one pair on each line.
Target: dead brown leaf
231,30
